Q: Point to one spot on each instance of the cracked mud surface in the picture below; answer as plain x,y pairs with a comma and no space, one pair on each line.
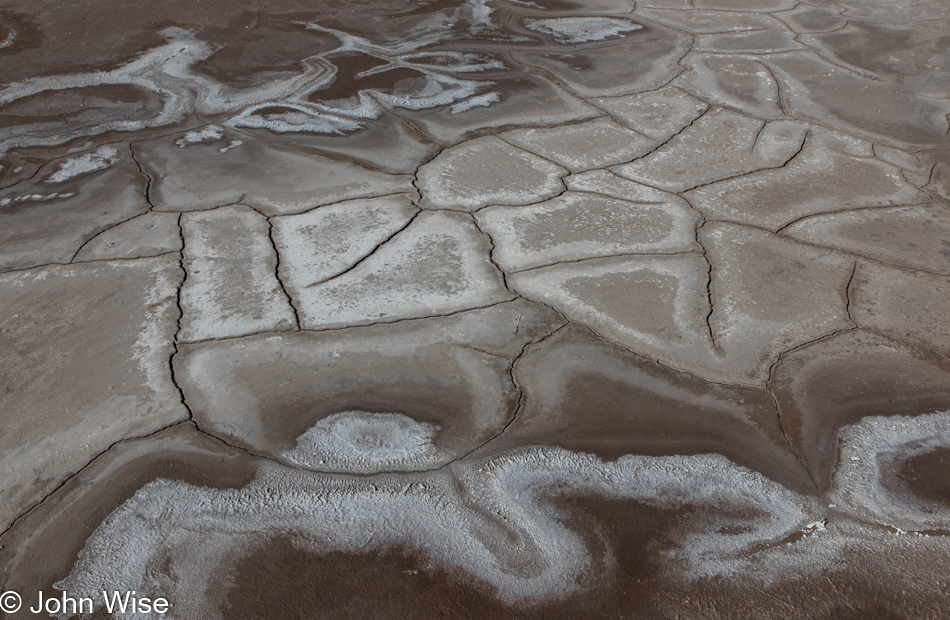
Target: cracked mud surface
477,309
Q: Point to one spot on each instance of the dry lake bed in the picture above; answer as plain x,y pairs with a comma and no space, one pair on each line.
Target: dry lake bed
475,309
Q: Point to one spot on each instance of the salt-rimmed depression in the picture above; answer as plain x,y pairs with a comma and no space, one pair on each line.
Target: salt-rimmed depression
364,443
868,480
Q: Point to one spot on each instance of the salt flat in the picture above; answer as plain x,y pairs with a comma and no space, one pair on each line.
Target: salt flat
477,308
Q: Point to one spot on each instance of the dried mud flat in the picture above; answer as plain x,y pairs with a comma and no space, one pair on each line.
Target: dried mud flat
477,309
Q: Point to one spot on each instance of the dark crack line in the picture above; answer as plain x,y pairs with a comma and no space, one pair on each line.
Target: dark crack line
775,401
673,197
243,449
151,207
181,313
755,140
280,282
837,250
415,174
514,297
567,171
148,178
62,484
491,254
91,261
602,257
665,142
709,295
791,446
521,395
241,202
564,189
367,256
29,178
757,170
781,230
661,363
782,104
847,294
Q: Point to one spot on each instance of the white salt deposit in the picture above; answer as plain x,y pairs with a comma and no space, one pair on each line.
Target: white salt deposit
478,101
208,134
582,29
871,452
365,443
34,198
100,159
524,549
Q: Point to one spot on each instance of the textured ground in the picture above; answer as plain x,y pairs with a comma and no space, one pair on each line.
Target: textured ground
481,309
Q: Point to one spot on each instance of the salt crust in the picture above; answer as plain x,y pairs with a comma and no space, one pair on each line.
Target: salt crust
364,443
501,529
877,444
494,519
439,264
101,158
582,29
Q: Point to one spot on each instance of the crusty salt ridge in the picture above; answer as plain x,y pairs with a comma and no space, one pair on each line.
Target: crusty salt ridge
195,529
366,443
877,444
209,133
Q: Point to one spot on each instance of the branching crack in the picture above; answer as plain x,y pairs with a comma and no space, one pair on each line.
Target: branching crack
491,253
520,404
366,256
798,152
667,141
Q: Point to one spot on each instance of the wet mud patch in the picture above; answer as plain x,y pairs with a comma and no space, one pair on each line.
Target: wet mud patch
927,475
290,577
256,45
18,32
